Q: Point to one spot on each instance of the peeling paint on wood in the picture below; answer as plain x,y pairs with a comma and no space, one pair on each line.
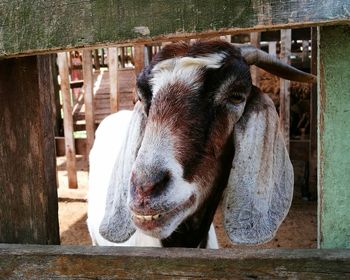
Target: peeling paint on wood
333,137
38,26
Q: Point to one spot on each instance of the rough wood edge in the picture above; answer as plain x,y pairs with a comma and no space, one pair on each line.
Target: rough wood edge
178,37
77,262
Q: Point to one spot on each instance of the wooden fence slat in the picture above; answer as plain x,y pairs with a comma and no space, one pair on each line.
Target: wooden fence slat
96,60
52,262
139,58
89,99
28,185
255,41
333,137
62,61
28,26
286,44
273,48
113,77
313,120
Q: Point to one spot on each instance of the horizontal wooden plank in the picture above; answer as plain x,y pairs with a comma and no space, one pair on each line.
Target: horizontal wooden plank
78,262
31,27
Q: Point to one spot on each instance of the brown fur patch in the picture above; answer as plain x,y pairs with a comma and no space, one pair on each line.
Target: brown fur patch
201,129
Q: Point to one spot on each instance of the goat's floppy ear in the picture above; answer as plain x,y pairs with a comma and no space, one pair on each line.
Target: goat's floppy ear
260,186
117,225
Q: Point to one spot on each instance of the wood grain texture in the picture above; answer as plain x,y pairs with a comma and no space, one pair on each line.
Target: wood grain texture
313,119
333,137
89,99
28,185
113,78
62,61
63,262
286,45
37,26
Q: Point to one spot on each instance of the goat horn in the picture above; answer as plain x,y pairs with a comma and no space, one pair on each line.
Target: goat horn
271,64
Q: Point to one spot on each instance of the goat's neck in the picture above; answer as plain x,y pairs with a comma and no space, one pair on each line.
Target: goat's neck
193,232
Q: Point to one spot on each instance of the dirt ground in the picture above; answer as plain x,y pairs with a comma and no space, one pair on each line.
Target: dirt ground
299,229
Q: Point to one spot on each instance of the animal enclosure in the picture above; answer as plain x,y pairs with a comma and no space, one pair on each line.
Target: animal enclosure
31,30
299,230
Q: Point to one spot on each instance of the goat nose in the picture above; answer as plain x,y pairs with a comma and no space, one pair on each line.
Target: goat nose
152,184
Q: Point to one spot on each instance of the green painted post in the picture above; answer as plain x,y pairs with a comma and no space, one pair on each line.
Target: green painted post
334,137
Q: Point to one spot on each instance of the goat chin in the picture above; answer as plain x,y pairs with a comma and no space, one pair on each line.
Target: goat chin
139,239
103,156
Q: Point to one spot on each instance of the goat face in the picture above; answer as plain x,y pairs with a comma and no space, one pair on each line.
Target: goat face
192,103
198,127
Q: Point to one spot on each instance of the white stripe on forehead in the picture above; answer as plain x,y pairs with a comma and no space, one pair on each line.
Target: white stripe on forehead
184,69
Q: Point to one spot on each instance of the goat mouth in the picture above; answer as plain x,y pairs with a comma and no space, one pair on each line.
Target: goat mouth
151,222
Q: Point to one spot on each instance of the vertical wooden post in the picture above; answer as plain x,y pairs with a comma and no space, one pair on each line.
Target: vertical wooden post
113,77
313,119
28,185
148,54
122,57
305,53
96,60
62,62
272,48
333,137
103,57
286,42
255,41
89,99
139,58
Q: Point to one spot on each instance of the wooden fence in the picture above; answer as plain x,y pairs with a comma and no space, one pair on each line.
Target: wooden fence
28,200
78,262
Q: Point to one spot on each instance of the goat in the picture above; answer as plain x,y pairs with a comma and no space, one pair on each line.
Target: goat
200,132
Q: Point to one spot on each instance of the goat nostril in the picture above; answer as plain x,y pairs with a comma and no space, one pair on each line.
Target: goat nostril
152,185
145,188
162,180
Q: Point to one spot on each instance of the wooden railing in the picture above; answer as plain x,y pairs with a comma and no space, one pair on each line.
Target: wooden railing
28,200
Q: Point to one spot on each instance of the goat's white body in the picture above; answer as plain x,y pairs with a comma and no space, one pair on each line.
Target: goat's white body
109,137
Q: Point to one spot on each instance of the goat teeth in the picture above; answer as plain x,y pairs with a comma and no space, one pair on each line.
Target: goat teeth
155,217
148,218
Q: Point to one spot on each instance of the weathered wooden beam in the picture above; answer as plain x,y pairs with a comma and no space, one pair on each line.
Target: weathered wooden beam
37,26
28,200
286,44
113,77
89,99
53,262
255,41
333,137
62,61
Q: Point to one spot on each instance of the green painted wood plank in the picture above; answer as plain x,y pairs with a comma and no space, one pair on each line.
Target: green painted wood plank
74,262
334,137
31,27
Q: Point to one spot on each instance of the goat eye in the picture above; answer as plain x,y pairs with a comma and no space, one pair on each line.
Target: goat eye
236,99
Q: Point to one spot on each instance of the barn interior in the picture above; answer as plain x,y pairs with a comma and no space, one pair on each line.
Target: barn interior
107,80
